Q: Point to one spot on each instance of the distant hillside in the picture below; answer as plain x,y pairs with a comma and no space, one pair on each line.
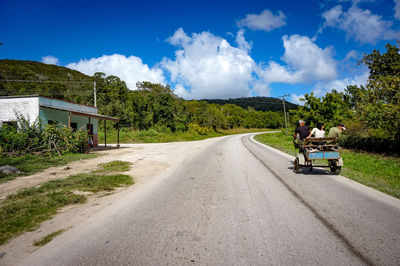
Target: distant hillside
83,93
32,70
258,103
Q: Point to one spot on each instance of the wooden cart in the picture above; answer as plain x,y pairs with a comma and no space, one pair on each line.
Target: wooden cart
314,150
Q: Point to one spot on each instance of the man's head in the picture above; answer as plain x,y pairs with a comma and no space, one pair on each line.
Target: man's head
341,126
301,122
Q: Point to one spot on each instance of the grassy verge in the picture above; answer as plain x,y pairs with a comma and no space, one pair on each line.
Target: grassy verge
376,171
31,164
47,238
26,209
154,136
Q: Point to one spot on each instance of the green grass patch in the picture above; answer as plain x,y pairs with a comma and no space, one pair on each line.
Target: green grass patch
374,170
114,166
157,136
31,164
48,238
26,209
279,141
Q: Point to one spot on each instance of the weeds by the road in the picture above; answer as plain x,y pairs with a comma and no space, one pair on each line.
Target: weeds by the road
47,238
157,136
31,164
25,210
376,171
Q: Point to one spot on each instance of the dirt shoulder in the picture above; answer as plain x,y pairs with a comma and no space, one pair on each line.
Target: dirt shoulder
149,162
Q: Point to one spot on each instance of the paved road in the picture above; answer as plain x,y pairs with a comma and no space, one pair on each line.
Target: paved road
238,203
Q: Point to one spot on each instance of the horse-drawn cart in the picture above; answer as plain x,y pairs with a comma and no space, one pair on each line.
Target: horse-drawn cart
316,149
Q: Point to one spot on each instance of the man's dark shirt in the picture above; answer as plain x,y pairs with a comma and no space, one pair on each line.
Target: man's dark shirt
303,131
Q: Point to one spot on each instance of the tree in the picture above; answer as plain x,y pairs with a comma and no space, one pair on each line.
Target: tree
331,109
378,106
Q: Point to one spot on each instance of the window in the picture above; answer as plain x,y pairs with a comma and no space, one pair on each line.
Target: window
74,126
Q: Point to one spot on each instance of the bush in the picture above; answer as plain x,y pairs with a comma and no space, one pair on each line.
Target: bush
196,129
30,137
372,144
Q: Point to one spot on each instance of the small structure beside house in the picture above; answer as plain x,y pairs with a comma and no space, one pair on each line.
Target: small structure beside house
54,111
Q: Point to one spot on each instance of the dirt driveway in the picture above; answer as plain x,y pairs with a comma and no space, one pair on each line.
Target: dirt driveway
150,162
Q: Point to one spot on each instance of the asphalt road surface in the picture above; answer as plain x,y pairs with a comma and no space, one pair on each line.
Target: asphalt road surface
237,202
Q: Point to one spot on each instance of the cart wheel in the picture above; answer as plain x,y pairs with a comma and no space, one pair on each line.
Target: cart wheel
297,168
335,169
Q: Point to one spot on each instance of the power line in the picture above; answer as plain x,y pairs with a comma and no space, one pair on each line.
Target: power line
46,81
58,81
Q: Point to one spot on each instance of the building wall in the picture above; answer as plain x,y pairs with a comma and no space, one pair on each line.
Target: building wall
47,114
28,107
61,117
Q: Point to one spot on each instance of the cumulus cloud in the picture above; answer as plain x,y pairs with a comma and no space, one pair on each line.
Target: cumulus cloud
305,62
129,69
266,21
51,60
321,88
297,99
362,25
207,66
241,41
353,54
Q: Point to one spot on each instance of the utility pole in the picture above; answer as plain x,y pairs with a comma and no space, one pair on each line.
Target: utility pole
284,109
94,94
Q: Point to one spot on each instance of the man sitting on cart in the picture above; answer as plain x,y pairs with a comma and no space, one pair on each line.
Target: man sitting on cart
302,131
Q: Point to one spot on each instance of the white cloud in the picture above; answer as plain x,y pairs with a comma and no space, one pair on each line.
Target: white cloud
305,62
360,24
51,60
353,54
260,88
296,99
129,69
320,89
397,9
207,66
266,21
241,41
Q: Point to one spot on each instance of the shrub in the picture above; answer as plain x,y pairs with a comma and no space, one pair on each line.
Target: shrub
30,137
372,144
196,129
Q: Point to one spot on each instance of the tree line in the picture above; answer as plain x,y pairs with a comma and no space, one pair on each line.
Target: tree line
155,105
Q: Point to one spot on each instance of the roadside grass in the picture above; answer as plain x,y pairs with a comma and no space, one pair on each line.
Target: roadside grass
373,170
279,141
26,209
31,164
48,238
157,136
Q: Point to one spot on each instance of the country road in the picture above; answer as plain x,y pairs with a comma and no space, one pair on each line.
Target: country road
237,202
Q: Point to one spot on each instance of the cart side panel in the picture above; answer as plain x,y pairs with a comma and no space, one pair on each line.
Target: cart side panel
332,155
315,155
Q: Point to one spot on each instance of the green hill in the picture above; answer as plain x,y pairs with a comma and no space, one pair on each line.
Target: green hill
83,92
258,103
12,71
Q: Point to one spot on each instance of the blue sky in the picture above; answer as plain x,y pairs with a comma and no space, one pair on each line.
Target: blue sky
206,49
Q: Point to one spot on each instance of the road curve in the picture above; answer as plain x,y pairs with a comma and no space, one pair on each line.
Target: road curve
237,202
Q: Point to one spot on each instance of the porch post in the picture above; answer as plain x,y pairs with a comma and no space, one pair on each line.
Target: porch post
105,134
69,119
118,134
